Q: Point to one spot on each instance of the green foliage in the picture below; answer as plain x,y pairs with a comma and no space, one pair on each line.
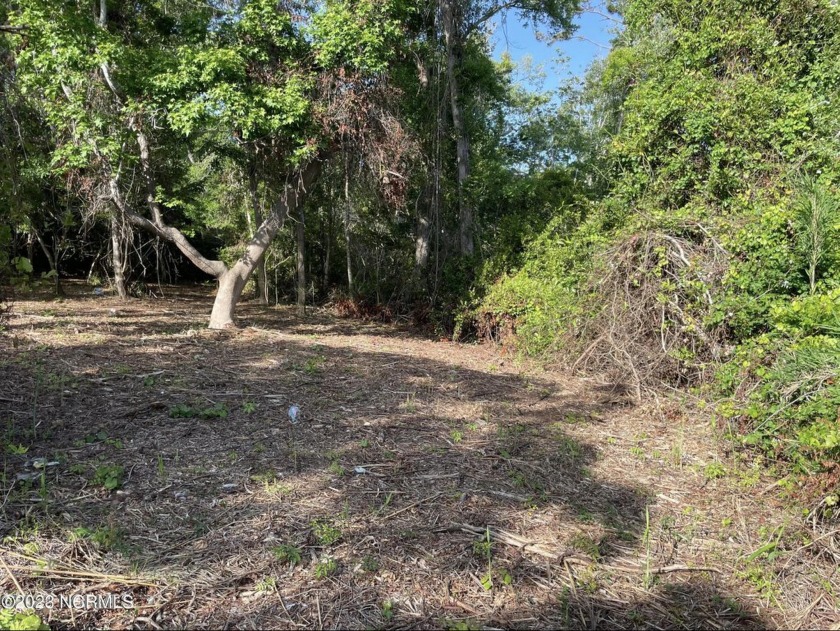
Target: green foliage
287,553
543,296
725,141
21,621
325,533
107,537
110,477
326,568
181,410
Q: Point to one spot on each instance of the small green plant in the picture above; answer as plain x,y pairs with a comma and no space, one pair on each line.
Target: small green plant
483,547
336,469
714,470
266,585
386,502
325,533
313,364
409,405
106,537
325,568
456,435
21,621
370,563
249,407
109,476
364,443
507,579
287,553
18,450
219,410
569,447
181,410
586,544
573,418
387,610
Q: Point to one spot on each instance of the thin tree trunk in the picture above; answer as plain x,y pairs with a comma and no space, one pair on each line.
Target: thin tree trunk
328,249
300,236
262,285
453,52
52,259
347,209
118,261
423,230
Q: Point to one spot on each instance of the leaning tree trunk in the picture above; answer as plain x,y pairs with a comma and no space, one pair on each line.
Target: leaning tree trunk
231,284
231,280
453,49
300,241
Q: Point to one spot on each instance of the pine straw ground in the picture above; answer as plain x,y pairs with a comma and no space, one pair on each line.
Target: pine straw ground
621,507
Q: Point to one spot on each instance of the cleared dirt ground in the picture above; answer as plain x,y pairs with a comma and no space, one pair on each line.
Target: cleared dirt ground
174,476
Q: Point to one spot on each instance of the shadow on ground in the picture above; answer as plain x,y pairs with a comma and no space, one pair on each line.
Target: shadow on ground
178,476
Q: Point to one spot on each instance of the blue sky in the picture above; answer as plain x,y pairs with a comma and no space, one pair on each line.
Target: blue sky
562,60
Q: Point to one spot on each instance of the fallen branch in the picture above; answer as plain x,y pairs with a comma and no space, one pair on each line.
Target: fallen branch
511,539
80,575
412,505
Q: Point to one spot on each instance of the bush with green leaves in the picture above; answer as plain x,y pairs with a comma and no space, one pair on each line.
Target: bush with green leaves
724,172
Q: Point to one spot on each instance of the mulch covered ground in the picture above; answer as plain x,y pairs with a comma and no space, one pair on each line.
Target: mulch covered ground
427,484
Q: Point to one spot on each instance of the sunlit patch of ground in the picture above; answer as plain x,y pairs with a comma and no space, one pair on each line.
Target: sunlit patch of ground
404,497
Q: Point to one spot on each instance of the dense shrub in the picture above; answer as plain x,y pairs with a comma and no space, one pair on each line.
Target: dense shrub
713,259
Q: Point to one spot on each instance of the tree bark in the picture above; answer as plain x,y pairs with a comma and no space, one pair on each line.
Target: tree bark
328,249
423,230
232,281
347,209
300,238
118,261
453,44
260,277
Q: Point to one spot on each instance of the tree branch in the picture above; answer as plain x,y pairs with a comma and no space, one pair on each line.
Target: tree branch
167,233
288,201
489,14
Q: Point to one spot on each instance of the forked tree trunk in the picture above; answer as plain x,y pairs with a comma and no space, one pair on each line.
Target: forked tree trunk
231,280
52,259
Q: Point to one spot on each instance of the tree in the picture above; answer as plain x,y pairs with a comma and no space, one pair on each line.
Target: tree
458,22
252,76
